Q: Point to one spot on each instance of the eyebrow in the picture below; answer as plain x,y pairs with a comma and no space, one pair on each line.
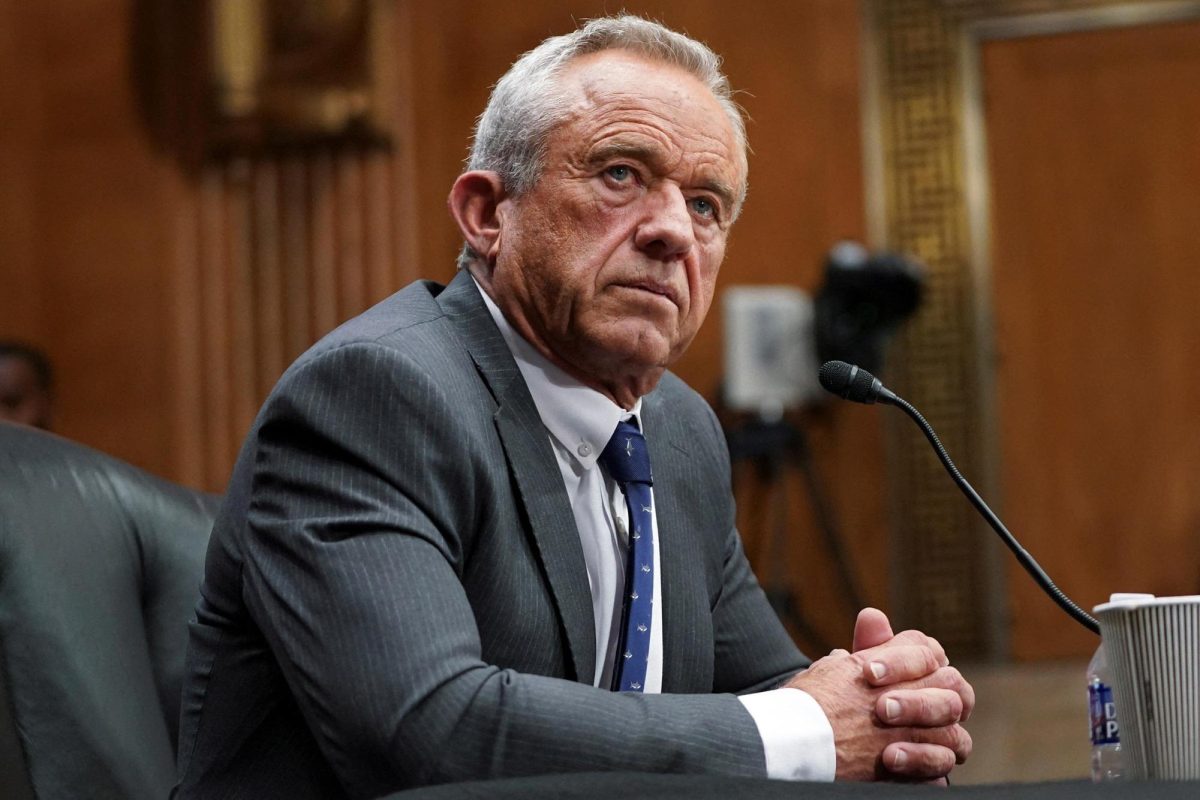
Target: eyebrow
653,157
611,150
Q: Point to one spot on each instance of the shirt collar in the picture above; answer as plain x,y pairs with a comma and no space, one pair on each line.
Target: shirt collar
579,417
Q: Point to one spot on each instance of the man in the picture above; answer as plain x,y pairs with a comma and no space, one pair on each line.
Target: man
26,385
435,557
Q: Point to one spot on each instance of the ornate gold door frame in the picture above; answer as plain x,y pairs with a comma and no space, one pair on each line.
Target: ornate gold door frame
927,194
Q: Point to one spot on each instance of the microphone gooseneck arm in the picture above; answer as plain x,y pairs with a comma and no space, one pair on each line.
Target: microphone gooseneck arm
1027,561
860,386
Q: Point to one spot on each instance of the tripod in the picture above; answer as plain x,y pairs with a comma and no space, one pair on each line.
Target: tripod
771,447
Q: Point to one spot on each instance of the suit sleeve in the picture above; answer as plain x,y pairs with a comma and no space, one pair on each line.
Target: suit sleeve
363,490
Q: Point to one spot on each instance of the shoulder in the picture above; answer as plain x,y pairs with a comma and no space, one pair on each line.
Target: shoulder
411,319
408,343
397,378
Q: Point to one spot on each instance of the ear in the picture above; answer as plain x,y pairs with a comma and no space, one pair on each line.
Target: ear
475,203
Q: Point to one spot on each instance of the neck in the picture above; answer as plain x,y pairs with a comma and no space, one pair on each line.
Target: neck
623,387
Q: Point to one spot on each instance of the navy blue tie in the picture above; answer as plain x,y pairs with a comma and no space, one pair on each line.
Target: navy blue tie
628,463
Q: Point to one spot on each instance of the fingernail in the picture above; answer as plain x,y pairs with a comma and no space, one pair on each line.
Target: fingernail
900,759
878,669
891,709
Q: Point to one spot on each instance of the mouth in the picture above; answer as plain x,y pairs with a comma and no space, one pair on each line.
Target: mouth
655,288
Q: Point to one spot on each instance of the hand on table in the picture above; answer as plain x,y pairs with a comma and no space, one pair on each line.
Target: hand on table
894,704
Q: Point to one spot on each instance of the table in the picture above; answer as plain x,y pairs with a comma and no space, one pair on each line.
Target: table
622,785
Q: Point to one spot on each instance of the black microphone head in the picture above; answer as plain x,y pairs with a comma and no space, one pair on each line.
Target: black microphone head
851,382
835,376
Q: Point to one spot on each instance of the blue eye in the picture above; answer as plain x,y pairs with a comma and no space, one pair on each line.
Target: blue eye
704,207
619,172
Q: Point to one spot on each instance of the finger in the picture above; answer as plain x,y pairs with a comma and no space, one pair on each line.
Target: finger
921,708
950,678
917,761
885,666
911,637
953,737
871,629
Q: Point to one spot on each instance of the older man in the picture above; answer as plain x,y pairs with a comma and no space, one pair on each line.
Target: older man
480,530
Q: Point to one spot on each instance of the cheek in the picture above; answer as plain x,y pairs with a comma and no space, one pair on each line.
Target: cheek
539,243
699,308
603,250
704,278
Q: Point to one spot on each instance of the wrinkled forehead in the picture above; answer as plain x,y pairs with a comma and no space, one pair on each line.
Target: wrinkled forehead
611,79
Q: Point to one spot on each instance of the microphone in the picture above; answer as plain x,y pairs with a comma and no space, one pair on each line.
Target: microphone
853,383
856,384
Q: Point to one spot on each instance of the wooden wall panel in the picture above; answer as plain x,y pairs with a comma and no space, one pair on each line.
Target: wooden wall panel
1095,180
928,184
276,254
169,302
98,239
186,376
19,123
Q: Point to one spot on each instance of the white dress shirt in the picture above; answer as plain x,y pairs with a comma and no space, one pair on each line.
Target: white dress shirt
796,735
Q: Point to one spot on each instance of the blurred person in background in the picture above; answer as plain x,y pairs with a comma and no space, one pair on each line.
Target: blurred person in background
26,385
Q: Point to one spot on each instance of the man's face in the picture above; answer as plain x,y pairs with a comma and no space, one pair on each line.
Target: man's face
608,263
22,399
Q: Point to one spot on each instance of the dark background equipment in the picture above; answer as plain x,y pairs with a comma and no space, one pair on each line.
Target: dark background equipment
863,299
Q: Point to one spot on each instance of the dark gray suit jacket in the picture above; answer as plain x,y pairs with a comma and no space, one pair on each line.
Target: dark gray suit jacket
395,592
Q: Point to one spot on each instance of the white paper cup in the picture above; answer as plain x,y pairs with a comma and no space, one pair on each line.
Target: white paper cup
1153,650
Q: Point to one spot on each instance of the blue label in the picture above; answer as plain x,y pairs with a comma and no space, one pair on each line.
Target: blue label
1103,713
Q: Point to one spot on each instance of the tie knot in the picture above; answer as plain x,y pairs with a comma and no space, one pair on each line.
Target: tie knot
625,456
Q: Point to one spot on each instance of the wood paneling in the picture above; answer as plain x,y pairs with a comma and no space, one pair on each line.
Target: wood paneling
87,272
1095,180
19,97
169,303
272,253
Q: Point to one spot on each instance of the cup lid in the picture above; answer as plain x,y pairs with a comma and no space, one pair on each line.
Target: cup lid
1129,602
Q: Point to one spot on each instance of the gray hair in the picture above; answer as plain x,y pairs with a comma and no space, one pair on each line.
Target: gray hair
526,104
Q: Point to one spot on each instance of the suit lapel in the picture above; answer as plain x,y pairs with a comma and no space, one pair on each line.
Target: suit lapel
532,463
681,564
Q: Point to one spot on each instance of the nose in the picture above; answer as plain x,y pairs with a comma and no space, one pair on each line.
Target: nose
666,232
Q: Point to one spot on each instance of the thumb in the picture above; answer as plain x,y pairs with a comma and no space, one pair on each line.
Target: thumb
871,629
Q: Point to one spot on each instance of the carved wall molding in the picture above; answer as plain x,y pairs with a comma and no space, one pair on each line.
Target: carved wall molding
222,79
271,253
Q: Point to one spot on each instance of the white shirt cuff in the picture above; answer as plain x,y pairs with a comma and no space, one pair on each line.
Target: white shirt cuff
796,735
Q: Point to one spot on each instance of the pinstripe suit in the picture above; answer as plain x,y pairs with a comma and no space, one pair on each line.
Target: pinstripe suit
395,591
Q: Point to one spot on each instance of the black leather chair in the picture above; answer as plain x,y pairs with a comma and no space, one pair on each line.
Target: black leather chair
100,564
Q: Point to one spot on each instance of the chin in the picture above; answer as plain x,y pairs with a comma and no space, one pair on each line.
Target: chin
625,346
647,351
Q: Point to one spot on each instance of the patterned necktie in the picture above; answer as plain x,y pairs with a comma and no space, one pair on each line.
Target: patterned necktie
628,463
